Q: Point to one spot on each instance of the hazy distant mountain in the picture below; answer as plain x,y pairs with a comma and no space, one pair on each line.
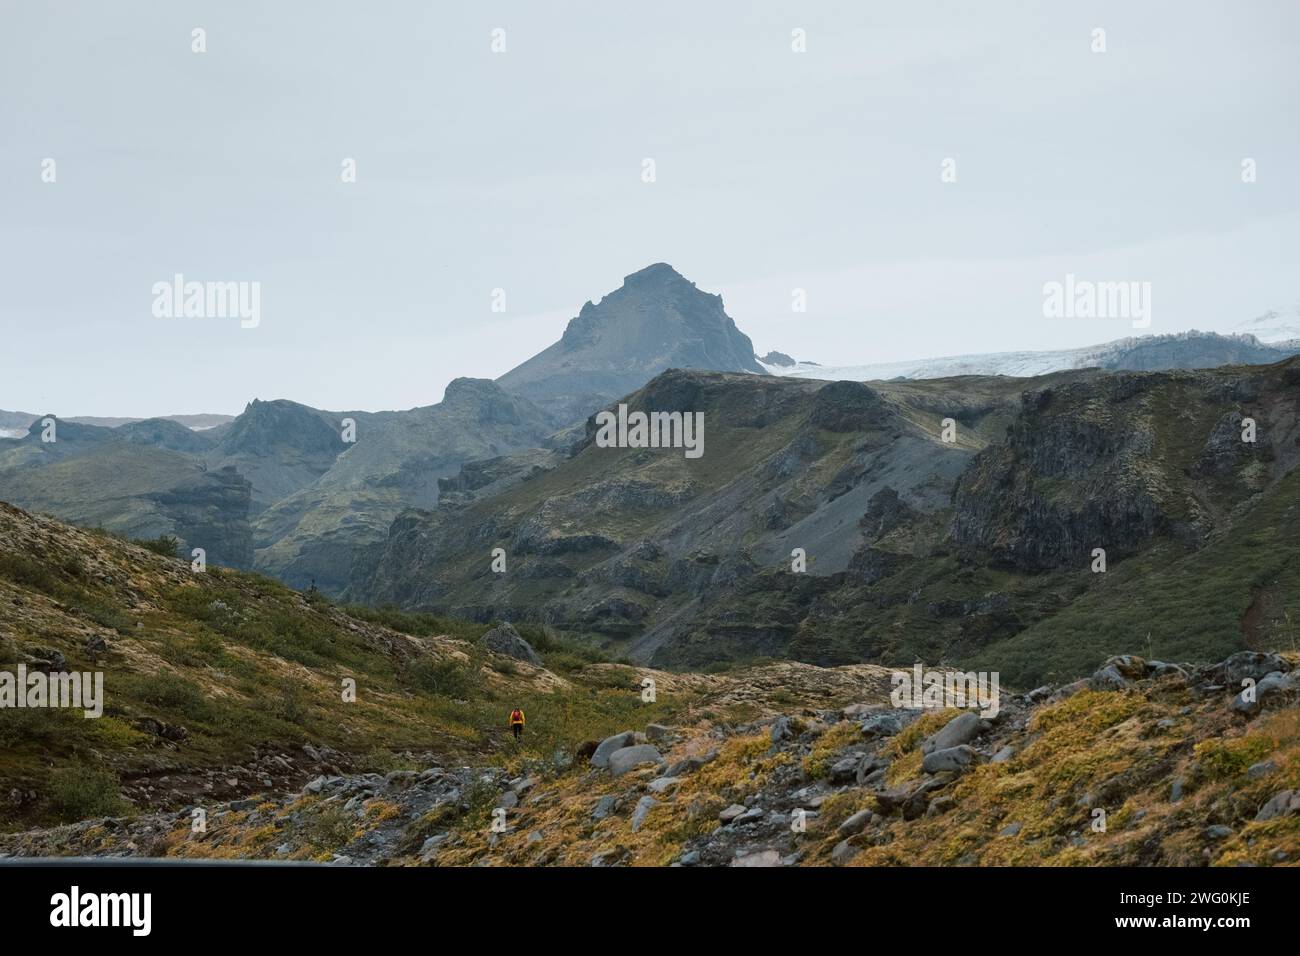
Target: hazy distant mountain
279,487
281,446
318,530
1150,353
311,501
1275,326
656,321
130,481
15,424
166,433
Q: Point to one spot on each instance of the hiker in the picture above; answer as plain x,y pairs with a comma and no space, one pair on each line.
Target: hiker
517,722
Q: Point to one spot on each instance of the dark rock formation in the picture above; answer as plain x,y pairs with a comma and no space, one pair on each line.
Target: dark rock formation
658,320
504,639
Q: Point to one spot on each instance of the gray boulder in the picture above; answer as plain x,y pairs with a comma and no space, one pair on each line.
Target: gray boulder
46,659
962,729
605,807
607,746
871,769
881,725
504,639
845,769
1119,672
643,808
856,823
629,758
1261,769
761,858
1279,805
689,764
663,784
430,847
950,758
843,852
731,813
1250,700
1253,664
752,815
781,730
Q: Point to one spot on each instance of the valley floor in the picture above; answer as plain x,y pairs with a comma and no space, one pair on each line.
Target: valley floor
1145,764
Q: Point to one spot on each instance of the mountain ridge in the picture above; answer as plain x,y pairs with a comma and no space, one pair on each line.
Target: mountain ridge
915,545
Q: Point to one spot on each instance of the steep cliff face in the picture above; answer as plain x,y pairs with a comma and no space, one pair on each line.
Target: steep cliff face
1114,462
641,543
211,512
656,321
947,519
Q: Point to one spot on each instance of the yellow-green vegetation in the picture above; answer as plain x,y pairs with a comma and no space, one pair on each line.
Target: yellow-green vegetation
838,807
1186,605
904,749
741,767
241,661
1101,755
569,837
818,763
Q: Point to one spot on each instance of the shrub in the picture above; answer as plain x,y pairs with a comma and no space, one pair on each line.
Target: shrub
445,677
288,704
417,625
174,694
164,544
28,573
331,829
1220,759
76,793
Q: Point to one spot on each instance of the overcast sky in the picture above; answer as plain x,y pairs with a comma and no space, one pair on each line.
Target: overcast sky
522,170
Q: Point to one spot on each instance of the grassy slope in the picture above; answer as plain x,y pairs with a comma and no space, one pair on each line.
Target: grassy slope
1166,603
242,661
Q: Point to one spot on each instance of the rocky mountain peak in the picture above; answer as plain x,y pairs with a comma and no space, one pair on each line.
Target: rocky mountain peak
655,275
264,426
655,321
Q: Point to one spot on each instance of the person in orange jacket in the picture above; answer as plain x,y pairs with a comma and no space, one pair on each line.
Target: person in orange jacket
517,722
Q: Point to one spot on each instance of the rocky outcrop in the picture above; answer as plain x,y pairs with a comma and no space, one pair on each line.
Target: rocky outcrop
1025,788
505,640
658,320
212,513
1070,476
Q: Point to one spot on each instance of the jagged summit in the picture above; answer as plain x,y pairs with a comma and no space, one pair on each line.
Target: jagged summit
655,321
657,273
